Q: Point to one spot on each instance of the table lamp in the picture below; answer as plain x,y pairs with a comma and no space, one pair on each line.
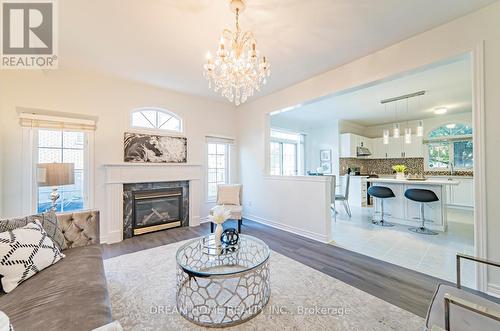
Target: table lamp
55,174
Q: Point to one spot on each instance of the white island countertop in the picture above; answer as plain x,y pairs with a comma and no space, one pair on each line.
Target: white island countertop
429,181
404,211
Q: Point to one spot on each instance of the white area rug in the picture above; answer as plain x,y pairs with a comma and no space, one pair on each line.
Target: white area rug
142,291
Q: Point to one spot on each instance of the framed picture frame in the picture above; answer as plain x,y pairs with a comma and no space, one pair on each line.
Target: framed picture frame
325,155
326,167
147,148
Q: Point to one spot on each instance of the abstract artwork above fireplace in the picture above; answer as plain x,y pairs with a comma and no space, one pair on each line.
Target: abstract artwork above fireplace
149,207
148,148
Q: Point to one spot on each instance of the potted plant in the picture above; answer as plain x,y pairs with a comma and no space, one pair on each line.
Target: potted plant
400,171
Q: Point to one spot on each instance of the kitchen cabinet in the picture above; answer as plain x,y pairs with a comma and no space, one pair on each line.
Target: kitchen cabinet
349,143
461,195
394,148
415,148
379,150
364,142
397,148
357,191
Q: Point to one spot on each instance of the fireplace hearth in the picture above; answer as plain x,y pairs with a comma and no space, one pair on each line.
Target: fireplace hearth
150,207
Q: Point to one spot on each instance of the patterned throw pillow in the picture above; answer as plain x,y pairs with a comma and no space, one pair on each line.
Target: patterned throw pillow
13,223
24,252
51,226
48,220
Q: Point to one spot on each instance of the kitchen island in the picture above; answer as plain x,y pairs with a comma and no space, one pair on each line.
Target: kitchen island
406,212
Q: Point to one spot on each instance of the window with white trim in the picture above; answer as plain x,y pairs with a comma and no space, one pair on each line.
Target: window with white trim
218,162
59,146
286,153
449,146
155,119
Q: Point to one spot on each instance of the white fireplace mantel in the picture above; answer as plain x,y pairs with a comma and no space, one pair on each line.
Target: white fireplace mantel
118,174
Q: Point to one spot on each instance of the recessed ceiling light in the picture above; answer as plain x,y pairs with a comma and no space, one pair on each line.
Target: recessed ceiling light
440,110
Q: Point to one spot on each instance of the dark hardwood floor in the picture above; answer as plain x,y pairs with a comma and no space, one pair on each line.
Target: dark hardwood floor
402,287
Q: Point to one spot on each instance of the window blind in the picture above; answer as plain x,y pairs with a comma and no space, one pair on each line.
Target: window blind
220,140
33,120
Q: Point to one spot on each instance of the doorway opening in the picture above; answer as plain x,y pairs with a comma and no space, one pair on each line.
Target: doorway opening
423,120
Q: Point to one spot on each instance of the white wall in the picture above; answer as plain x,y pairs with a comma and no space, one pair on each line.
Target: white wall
109,99
454,38
292,203
326,137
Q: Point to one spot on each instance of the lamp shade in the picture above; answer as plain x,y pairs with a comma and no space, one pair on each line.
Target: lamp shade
55,174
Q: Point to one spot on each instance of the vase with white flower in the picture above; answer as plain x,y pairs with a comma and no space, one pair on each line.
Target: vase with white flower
400,171
218,216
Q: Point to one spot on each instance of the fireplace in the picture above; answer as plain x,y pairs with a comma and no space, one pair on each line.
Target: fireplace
150,207
157,210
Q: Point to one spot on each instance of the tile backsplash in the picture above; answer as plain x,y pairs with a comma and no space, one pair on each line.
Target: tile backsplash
384,166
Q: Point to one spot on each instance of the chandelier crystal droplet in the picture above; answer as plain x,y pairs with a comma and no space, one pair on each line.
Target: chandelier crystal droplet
236,71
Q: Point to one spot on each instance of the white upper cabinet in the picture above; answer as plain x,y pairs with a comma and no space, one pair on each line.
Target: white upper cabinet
364,142
415,148
347,145
379,149
395,149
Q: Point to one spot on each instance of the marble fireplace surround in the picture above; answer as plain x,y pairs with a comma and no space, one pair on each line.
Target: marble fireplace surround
118,174
128,201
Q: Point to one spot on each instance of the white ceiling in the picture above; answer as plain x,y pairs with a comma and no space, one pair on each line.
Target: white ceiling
447,85
163,42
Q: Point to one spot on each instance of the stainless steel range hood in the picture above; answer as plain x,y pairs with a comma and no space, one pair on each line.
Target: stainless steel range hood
362,151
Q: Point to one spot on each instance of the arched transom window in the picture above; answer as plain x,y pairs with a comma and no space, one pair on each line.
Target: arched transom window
156,119
450,146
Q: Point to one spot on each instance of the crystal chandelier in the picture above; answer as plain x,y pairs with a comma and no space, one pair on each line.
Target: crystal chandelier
236,70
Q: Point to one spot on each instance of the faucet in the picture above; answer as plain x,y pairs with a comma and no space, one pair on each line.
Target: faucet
452,169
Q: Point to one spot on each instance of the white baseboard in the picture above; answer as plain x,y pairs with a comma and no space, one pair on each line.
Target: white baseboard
493,290
459,207
112,237
194,221
301,232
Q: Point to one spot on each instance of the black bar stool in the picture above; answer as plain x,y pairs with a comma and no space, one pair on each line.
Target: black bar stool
380,192
421,196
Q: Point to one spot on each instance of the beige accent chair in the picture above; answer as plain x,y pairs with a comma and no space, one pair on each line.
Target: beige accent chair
230,196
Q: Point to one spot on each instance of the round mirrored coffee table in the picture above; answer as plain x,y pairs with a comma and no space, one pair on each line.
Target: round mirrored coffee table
222,287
